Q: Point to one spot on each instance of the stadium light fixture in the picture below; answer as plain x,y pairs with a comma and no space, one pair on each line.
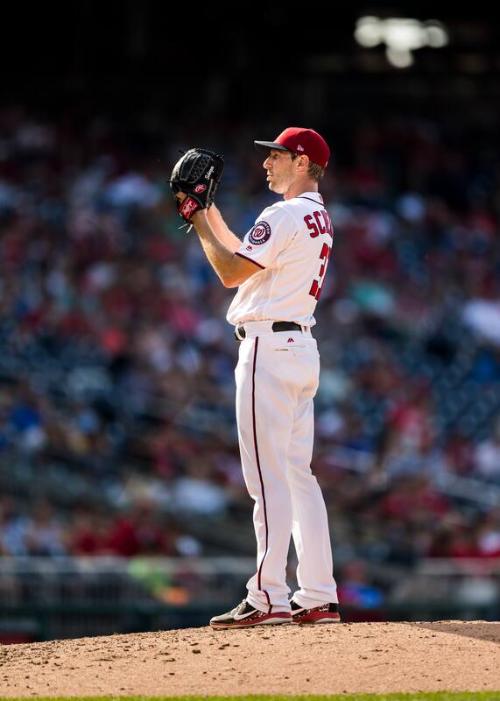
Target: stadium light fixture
401,36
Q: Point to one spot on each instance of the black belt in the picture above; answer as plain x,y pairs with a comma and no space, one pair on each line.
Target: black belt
277,326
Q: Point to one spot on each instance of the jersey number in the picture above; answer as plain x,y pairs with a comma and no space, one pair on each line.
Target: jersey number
316,286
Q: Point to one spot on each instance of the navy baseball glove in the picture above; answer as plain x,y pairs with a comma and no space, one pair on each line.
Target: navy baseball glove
197,173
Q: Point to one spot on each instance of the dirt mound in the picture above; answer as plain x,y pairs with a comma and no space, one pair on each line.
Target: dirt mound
288,659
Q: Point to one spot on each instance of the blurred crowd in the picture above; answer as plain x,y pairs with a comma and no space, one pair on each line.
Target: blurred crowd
117,428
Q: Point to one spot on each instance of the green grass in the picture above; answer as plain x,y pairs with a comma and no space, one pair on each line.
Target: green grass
427,696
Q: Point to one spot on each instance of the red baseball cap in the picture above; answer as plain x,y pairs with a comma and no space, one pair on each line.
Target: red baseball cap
302,141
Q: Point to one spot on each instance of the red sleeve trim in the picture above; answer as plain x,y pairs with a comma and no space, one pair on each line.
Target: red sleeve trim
263,267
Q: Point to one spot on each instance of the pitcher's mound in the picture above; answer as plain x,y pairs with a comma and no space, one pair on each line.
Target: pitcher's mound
287,659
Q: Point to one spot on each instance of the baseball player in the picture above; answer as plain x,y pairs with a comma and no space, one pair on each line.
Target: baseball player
279,270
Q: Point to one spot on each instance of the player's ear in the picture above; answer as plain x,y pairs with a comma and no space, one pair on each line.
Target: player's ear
303,162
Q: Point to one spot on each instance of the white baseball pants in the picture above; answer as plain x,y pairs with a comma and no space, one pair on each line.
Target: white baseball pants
277,377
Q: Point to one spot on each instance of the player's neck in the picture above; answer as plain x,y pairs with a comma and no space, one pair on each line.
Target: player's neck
300,186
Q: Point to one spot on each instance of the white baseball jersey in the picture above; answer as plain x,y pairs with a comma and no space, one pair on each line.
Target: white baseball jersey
291,241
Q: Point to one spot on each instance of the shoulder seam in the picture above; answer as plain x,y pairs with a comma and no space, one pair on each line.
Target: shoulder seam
282,205
297,225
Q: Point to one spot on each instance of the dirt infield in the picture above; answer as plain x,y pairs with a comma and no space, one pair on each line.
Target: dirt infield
288,659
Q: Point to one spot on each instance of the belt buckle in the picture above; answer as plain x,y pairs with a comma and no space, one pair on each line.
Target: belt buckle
236,333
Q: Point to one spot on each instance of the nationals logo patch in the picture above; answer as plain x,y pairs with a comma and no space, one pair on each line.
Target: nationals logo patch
260,233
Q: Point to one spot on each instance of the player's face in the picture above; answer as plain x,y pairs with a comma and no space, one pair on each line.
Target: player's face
280,171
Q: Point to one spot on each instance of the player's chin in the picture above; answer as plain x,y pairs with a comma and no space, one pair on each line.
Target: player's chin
274,188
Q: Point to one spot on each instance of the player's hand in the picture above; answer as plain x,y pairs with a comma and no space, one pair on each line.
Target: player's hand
180,197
